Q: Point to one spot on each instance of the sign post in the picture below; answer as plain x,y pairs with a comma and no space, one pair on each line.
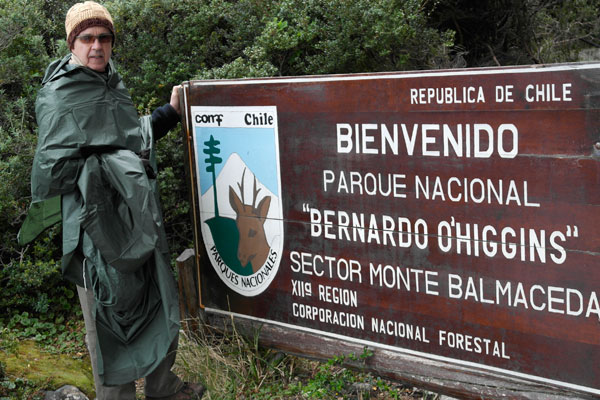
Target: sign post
447,220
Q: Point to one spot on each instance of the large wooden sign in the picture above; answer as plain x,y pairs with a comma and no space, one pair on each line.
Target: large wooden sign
451,217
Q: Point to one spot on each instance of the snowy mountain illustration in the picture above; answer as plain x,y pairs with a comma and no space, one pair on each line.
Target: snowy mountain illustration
231,176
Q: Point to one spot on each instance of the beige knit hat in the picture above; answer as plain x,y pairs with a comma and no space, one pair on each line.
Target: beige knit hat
84,15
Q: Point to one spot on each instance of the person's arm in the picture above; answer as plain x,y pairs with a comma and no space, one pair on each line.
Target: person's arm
166,117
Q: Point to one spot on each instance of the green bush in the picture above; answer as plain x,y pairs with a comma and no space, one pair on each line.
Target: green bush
517,32
22,60
564,29
299,37
30,276
161,43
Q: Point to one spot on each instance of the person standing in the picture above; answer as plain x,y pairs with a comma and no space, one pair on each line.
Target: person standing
94,169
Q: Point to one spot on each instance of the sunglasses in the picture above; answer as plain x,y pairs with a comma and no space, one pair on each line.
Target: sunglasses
102,38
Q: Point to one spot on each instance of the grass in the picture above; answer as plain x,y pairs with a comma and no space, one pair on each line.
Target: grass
233,366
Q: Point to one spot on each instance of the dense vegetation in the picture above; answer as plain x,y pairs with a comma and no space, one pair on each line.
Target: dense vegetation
161,43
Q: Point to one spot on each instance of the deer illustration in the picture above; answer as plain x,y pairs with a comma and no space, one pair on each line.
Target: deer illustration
253,246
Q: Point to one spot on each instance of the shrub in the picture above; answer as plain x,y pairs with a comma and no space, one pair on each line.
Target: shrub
30,276
297,37
517,32
22,59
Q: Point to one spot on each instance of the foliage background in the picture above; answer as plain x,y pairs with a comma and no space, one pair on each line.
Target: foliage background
161,43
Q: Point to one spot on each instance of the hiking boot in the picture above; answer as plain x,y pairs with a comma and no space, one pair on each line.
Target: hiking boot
189,391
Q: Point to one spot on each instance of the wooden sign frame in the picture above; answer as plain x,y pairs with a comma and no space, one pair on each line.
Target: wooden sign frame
445,219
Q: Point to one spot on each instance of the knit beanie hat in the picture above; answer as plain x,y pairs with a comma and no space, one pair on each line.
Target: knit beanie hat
84,15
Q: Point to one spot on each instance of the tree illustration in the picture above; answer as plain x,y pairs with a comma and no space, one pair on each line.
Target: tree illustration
212,160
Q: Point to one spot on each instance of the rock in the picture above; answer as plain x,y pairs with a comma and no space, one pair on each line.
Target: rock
362,387
66,392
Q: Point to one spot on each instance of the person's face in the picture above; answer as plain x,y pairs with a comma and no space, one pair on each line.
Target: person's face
94,55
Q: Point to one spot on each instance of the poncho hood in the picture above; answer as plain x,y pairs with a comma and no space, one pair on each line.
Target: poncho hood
85,111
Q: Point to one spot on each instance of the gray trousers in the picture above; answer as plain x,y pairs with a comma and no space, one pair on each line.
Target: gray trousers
160,383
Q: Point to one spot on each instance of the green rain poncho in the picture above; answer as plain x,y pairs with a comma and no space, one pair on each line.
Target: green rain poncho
87,170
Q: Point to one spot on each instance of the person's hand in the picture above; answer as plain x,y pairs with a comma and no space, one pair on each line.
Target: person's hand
175,98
